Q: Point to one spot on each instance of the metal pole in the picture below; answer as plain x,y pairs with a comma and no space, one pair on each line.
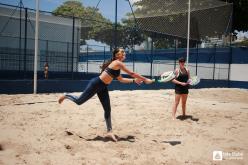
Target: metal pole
67,59
197,54
72,51
214,61
36,45
187,61
151,58
133,59
77,50
20,36
115,32
25,42
230,61
175,55
87,58
47,51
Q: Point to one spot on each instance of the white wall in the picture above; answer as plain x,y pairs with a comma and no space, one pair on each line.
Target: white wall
238,71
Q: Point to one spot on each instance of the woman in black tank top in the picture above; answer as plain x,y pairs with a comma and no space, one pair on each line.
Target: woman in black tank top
181,87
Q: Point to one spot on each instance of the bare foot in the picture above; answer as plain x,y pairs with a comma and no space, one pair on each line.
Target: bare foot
61,99
111,136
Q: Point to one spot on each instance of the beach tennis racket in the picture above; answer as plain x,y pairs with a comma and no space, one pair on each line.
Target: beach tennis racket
167,76
194,80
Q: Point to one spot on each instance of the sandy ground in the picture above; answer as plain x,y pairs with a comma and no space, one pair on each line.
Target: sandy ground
35,129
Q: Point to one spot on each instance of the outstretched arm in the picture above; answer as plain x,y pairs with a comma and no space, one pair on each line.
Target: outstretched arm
129,80
133,74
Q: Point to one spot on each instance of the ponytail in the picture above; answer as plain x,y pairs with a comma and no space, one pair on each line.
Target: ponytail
107,63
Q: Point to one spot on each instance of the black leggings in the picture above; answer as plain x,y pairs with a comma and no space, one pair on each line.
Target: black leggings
95,86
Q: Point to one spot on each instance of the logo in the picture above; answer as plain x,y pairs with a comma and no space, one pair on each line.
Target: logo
217,155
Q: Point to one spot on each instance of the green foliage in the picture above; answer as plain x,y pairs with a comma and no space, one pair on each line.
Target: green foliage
93,23
242,44
70,8
95,26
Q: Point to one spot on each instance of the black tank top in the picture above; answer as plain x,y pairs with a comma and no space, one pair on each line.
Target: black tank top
113,73
182,76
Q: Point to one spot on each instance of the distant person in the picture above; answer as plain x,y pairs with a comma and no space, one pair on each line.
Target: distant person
99,85
46,70
181,87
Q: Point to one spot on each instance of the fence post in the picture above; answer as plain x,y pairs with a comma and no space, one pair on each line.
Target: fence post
133,60
25,42
175,55
197,54
78,51
151,58
47,51
230,60
72,51
67,60
214,61
115,30
87,58
20,38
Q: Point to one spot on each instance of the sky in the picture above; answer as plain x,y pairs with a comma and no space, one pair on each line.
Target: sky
106,7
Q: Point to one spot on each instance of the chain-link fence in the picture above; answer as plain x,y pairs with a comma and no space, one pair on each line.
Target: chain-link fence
66,44
58,40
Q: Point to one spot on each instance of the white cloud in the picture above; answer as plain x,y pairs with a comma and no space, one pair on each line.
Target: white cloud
241,34
132,1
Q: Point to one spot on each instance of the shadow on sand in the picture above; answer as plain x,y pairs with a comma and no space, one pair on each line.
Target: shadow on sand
186,117
107,139
129,138
173,143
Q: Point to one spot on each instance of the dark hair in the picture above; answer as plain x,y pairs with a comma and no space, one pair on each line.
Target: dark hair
181,59
107,63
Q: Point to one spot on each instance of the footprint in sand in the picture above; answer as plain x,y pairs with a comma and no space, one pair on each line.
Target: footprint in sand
68,147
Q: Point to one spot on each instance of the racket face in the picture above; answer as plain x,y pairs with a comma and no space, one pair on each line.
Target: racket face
167,76
194,80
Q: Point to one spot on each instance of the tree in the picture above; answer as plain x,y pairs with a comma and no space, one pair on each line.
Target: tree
93,23
242,44
70,8
169,19
129,34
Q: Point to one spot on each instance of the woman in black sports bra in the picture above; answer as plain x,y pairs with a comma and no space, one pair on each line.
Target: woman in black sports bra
181,87
99,85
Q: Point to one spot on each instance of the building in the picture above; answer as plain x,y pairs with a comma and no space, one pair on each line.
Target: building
56,37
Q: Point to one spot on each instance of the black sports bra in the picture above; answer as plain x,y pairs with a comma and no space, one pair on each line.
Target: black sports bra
183,76
113,73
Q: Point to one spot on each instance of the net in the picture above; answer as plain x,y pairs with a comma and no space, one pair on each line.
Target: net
209,18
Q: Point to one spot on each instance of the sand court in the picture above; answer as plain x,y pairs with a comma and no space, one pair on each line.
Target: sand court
35,129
